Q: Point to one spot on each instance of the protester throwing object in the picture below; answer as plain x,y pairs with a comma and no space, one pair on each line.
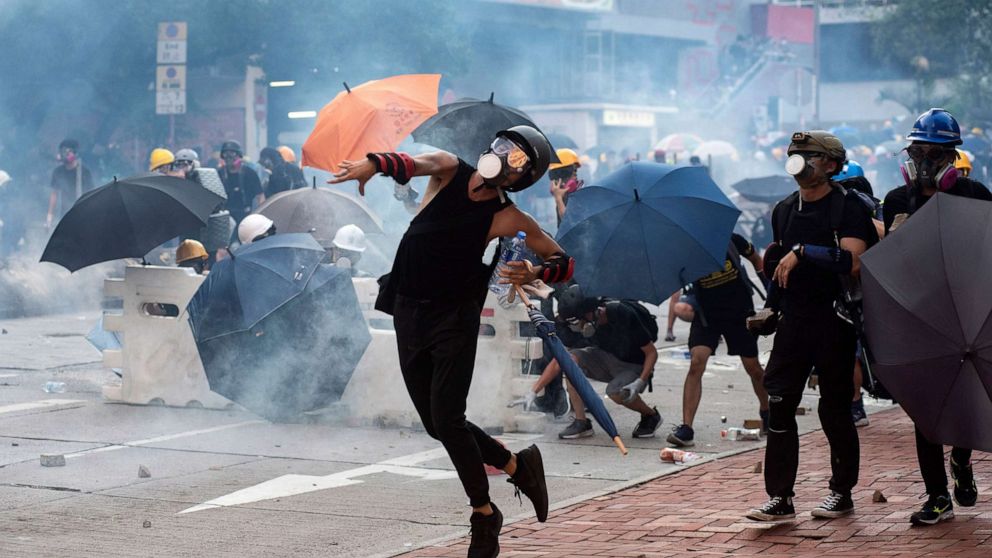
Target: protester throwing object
435,292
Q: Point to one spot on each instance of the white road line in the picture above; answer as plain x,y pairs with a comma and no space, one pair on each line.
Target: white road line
42,404
9,375
164,438
293,485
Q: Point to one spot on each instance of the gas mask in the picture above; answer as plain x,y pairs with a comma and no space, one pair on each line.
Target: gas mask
800,166
231,160
503,163
924,169
68,156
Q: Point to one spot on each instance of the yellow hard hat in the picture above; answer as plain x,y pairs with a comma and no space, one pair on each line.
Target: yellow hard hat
160,157
287,153
963,163
190,250
567,158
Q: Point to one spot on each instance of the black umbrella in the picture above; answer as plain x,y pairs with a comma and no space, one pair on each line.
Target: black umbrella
766,189
467,126
127,219
559,141
927,307
298,357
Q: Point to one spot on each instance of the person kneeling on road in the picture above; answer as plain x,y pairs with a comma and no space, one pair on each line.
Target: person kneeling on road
622,353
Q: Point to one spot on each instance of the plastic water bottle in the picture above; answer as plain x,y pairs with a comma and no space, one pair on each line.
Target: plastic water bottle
54,387
518,248
672,455
740,434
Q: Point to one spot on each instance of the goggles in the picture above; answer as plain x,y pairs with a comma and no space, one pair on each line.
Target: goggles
933,153
515,156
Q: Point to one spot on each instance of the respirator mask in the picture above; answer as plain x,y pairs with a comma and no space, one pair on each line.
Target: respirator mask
924,168
800,165
503,163
231,160
587,329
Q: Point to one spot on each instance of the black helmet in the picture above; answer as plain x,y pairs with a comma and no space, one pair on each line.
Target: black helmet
231,145
538,149
573,304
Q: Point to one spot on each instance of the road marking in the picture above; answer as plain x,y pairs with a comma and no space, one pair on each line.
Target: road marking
42,404
9,375
293,485
164,438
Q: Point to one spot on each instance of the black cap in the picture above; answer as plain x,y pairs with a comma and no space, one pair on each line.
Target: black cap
231,145
69,144
573,304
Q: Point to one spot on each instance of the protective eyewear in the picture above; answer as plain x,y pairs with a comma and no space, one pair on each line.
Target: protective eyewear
563,173
931,152
515,156
182,164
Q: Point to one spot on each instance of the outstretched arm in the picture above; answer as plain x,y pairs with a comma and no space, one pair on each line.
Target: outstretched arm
440,165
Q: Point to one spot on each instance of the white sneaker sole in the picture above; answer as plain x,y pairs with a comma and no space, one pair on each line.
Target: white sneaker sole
583,434
828,514
681,443
949,514
758,515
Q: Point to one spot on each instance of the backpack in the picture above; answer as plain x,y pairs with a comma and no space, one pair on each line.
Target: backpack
644,317
782,214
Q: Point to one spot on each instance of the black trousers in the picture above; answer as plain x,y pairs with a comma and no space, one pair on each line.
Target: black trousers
827,343
931,458
437,343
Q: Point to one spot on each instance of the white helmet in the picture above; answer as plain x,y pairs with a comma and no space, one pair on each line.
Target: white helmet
253,226
351,238
187,154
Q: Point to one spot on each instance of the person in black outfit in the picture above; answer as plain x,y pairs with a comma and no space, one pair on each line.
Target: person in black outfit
70,180
282,176
809,331
241,183
435,293
724,300
931,169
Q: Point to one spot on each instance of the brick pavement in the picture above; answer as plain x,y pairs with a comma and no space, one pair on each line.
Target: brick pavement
699,511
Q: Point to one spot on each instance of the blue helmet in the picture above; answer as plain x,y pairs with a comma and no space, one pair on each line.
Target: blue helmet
850,169
936,126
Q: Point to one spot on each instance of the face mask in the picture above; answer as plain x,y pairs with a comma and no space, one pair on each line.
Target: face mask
572,185
588,329
798,166
929,174
69,157
503,163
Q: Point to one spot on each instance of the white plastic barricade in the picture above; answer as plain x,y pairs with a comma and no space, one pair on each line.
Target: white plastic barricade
159,358
377,395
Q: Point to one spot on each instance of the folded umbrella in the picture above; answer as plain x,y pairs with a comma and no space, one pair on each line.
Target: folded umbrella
254,281
927,310
467,127
319,211
766,189
299,357
594,403
128,218
663,226
374,116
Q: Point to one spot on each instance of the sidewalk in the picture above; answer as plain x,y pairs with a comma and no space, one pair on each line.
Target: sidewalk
699,511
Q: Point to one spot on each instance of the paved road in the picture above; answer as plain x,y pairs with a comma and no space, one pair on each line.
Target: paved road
224,483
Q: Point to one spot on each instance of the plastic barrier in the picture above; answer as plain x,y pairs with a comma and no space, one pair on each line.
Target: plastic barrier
159,358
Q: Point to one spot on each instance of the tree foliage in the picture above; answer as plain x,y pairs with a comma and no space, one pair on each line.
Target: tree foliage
947,39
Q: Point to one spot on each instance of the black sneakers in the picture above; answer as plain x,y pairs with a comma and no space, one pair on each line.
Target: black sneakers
578,429
835,505
776,509
937,509
529,479
965,490
485,534
647,425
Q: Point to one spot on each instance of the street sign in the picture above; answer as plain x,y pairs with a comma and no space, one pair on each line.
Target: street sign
171,42
170,89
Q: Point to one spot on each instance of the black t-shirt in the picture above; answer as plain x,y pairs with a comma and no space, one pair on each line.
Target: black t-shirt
242,187
897,200
725,291
623,335
280,180
812,289
64,183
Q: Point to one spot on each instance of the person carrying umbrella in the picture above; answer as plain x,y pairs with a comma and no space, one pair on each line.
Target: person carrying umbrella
347,247
724,301
621,353
824,231
931,169
435,292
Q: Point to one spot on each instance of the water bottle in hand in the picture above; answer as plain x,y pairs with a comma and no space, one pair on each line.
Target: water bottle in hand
516,252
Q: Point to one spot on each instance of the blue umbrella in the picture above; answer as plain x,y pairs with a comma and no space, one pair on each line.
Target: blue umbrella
546,330
257,279
646,230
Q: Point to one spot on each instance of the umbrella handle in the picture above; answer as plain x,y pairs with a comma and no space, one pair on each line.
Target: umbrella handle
523,296
620,446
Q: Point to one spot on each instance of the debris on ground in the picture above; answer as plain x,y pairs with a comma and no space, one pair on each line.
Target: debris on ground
878,497
143,472
52,460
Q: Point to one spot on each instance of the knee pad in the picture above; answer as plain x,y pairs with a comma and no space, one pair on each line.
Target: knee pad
782,413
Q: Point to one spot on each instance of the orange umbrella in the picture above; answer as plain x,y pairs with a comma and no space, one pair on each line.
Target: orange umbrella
375,116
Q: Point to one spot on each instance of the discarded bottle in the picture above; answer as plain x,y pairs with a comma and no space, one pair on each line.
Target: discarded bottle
672,455
516,252
735,434
677,354
54,387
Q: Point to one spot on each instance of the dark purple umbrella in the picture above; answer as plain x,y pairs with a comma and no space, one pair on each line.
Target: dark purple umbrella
546,330
928,319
